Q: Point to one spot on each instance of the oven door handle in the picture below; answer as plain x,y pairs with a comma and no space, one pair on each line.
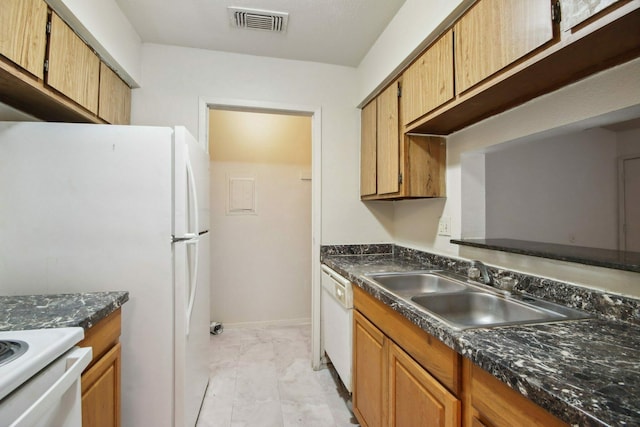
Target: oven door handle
77,360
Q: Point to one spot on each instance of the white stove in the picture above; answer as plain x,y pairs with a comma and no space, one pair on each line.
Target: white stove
39,380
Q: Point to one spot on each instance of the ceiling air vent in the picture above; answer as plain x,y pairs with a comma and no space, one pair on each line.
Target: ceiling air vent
255,19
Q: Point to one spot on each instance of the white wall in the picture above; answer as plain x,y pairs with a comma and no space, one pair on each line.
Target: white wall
261,264
108,31
561,190
415,221
175,78
629,142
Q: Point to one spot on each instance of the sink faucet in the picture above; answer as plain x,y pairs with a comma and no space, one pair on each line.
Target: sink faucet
480,273
478,269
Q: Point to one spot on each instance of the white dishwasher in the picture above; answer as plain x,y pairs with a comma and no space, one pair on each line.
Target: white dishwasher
337,322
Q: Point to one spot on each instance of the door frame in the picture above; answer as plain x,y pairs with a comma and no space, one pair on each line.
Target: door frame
622,235
204,104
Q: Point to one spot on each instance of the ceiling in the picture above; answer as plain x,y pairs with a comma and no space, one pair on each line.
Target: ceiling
330,31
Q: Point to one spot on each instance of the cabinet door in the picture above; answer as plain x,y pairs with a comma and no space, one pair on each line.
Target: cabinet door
416,398
495,404
370,373
425,166
114,104
495,33
73,67
23,33
428,82
388,141
368,150
101,391
575,12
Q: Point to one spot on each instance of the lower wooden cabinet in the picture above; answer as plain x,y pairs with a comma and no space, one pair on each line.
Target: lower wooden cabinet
405,377
492,403
100,382
101,391
369,374
391,389
415,397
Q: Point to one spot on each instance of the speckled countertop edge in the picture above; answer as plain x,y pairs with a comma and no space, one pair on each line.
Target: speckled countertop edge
58,310
520,355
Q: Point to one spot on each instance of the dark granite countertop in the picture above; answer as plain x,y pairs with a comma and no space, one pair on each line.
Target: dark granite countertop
58,310
586,372
608,258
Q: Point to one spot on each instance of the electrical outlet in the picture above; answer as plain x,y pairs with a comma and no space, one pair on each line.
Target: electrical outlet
444,226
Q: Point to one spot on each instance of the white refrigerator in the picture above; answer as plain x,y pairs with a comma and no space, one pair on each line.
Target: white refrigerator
88,208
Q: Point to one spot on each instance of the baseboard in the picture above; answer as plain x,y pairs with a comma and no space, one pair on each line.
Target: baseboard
266,323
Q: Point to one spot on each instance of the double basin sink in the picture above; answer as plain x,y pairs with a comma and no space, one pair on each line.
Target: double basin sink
464,304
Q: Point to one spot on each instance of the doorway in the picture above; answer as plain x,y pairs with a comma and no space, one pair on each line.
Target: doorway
314,115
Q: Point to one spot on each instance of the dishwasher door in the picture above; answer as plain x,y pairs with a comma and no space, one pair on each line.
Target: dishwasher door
337,322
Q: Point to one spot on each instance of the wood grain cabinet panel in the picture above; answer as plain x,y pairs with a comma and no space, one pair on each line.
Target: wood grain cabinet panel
395,165
492,403
74,69
368,150
416,398
495,33
428,82
23,33
114,103
369,373
100,382
101,391
388,144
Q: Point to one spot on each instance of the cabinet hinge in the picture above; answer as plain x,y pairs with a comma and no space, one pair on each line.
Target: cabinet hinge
399,91
49,27
46,65
556,12
400,178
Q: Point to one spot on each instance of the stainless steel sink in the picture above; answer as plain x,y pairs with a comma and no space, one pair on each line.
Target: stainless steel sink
465,304
483,309
414,283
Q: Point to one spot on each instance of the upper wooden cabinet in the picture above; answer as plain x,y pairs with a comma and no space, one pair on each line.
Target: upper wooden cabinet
496,33
115,97
74,69
510,51
395,165
380,145
77,87
428,82
368,150
23,33
388,145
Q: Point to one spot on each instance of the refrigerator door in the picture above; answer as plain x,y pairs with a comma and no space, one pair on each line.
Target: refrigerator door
191,276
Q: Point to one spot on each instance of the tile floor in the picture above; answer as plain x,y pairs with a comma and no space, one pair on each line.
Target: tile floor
262,377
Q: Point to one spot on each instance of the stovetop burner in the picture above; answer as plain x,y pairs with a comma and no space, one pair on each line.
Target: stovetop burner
11,349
